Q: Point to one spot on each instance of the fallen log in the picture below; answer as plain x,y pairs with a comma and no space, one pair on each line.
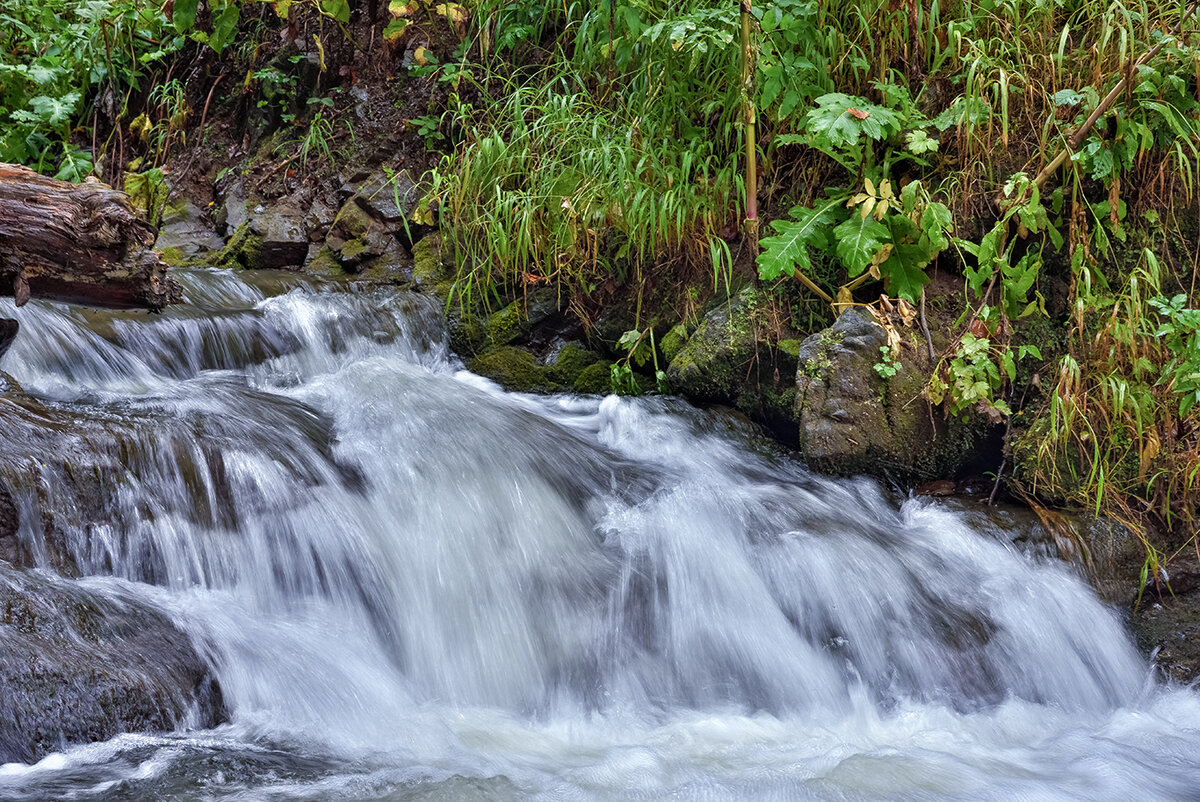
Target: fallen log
81,243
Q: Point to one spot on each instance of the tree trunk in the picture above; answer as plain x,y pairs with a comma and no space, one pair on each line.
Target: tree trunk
79,243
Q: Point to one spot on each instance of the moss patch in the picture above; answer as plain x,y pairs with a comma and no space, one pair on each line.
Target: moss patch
595,379
515,369
243,250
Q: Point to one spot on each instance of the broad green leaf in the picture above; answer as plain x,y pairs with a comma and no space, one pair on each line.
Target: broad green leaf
224,27
337,9
858,240
787,250
184,15
905,273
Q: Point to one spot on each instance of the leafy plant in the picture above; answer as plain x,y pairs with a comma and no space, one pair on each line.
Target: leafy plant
1180,335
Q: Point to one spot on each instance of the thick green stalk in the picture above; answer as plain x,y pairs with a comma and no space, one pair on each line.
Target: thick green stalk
751,139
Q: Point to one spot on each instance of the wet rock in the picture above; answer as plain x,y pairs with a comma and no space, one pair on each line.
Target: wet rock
319,219
79,665
431,267
853,420
232,212
730,359
8,333
473,334
241,251
389,200
187,232
283,237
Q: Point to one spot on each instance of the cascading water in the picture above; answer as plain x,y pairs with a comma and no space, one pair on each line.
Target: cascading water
413,585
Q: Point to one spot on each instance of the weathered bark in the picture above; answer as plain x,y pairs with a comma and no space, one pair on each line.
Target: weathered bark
80,243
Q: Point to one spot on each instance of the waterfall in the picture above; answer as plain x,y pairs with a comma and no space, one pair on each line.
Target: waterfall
411,583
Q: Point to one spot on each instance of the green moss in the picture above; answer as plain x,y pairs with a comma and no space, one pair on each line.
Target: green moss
790,347
351,221
429,266
595,379
673,341
507,325
242,250
572,360
325,264
352,252
515,369
172,257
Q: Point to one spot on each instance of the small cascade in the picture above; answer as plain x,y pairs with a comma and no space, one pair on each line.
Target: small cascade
410,582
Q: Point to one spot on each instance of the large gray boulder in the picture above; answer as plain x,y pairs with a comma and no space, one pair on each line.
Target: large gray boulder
79,665
854,420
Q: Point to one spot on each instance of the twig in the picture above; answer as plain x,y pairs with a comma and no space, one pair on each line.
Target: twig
925,327
207,100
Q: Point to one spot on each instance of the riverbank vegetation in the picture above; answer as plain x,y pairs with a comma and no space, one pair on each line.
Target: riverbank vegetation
1026,168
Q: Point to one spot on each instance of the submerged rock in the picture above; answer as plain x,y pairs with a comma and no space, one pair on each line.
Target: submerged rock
854,420
79,665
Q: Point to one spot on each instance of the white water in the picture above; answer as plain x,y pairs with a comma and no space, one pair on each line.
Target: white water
414,585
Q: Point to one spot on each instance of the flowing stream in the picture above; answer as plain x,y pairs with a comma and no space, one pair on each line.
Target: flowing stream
414,585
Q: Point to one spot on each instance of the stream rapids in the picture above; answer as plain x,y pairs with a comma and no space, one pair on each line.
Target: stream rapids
414,585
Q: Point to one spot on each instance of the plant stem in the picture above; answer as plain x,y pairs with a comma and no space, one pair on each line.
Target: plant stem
751,138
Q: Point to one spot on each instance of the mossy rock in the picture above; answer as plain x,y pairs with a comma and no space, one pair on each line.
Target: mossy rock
728,359
595,379
572,360
325,264
351,222
430,267
672,342
515,369
172,257
243,250
473,334
353,251
853,420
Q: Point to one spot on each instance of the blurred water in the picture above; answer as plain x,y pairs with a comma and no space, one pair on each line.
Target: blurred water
414,585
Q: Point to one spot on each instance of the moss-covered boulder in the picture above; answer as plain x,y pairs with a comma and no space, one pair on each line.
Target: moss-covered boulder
241,251
515,369
731,358
432,268
595,379
472,333
855,419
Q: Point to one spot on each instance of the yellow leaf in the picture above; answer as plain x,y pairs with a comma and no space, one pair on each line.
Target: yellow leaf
885,189
140,126
870,186
419,55
320,52
282,7
881,209
397,8
452,11
880,257
844,298
868,204
394,29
